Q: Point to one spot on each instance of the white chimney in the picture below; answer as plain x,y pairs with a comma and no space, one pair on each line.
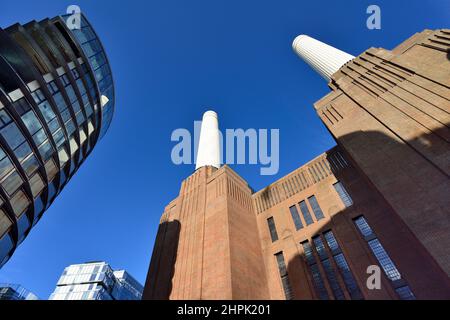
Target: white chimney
209,144
323,58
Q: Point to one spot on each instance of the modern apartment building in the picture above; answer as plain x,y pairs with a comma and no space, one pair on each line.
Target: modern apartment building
96,281
379,200
56,103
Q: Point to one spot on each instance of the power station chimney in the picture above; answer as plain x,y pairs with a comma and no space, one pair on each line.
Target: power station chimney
323,58
209,144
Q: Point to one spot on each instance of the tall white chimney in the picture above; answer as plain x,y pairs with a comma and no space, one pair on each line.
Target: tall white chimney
209,144
323,58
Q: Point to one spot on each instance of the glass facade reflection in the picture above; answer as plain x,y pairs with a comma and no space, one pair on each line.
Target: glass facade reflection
96,281
15,292
56,101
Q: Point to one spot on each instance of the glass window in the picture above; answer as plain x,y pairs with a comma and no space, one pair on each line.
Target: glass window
31,122
320,247
22,225
38,96
388,266
19,203
331,240
4,118
272,229
332,279
12,182
281,263
309,255
348,278
316,208
363,226
5,166
296,218
284,276
305,211
21,106
12,135
319,285
6,245
405,293
385,261
343,194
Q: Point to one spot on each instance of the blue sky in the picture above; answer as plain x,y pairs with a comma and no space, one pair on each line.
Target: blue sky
173,60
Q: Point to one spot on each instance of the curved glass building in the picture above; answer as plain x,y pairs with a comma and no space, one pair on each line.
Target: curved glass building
56,102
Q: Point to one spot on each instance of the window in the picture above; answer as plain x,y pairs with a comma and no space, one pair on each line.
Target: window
305,212
316,208
388,266
38,96
284,276
52,87
331,240
272,229
296,218
385,261
21,106
332,279
343,194
347,276
343,266
405,293
318,282
319,285
320,247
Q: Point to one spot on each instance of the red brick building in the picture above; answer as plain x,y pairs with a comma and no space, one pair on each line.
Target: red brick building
381,197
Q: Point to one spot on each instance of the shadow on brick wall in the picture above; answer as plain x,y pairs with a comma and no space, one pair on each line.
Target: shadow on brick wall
418,268
158,285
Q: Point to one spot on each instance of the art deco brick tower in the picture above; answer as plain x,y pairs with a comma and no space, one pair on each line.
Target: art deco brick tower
390,111
208,244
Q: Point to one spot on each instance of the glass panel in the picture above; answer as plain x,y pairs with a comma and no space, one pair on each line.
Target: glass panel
343,194
305,212
319,284
272,229
296,217
405,293
332,279
316,208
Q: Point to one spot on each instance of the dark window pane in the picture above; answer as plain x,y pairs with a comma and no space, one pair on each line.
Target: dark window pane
316,208
272,229
331,240
319,285
320,247
343,194
281,263
363,226
385,261
405,293
332,279
296,217
305,212
348,278
309,255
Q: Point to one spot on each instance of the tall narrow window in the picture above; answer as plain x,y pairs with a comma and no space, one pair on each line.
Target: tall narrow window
329,270
344,269
272,229
296,217
284,276
305,213
316,208
388,266
343,194
318,282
